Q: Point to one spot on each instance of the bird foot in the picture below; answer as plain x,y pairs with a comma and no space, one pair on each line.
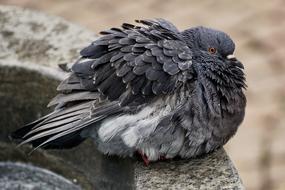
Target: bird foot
144,158
162,158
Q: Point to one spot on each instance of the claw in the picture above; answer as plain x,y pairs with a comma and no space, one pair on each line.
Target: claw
144,157
162,158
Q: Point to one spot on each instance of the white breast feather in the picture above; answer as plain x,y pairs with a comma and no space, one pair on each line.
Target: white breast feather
114,126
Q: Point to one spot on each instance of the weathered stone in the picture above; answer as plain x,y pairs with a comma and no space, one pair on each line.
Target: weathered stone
27,177
32,37
32,44
214,171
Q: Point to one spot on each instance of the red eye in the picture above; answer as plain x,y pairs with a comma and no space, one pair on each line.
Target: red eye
212,50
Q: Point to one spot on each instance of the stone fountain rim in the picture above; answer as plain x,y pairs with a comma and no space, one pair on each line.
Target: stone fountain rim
47,71
30,166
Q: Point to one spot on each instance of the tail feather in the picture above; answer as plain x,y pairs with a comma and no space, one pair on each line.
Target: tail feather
61,113
49,127
65,116
62,128
72,97
18,134
40,131
65,132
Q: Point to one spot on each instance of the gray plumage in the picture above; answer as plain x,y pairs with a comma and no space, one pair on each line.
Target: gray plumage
148,88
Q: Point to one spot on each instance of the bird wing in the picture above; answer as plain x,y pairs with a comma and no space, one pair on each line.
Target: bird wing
136,63
126,67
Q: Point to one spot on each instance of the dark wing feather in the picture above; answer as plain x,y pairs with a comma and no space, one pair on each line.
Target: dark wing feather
138,54
124,67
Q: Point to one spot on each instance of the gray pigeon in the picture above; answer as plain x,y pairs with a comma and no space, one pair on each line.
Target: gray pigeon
147,89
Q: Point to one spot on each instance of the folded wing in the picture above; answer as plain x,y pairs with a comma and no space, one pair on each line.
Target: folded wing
121,72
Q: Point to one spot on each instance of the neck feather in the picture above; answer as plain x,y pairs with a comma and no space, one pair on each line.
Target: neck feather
222,88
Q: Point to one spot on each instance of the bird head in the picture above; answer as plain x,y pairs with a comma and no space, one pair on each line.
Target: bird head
214,50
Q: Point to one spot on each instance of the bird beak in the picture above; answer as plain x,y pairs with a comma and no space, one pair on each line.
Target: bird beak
234,61
232,56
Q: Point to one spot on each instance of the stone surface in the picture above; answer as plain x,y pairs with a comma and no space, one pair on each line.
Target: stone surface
17,86
214,171
32,37
27,177
32,44
29,75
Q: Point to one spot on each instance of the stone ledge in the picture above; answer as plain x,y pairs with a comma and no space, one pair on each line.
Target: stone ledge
25,177
213,171
32,44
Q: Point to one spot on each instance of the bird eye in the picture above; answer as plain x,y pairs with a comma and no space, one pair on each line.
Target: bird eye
212,50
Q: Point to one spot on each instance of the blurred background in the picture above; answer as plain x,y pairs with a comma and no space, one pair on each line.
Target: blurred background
257,27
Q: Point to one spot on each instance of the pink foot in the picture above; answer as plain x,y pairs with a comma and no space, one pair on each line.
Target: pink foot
144,157
162,158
